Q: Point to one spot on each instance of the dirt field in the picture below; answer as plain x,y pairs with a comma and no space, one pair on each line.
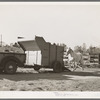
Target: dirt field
30,80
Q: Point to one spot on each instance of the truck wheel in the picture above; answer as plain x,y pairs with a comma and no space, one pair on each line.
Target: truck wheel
10,67
36,67
57,67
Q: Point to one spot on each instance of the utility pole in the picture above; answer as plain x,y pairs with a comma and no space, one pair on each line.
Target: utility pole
1,40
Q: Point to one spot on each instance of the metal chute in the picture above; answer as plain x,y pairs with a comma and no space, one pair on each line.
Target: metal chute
29,45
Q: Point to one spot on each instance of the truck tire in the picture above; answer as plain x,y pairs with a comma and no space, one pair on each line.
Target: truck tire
36,68
10,67
57,67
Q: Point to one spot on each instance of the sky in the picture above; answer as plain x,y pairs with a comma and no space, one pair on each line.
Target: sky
69,23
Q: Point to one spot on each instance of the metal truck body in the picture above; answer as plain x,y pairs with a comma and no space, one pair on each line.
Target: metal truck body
52,54
10,61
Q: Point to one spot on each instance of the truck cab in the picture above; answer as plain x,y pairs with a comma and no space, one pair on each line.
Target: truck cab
11,58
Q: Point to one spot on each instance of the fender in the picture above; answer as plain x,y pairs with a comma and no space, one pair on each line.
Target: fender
10,58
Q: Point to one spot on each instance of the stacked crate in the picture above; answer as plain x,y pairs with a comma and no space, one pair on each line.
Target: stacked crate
94,58
86,59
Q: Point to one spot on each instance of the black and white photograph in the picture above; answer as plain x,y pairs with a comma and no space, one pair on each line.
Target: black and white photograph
50,47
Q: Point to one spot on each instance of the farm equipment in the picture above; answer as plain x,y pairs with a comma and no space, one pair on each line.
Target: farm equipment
51,56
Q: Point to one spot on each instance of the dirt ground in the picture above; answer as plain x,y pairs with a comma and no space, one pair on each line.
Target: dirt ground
30,80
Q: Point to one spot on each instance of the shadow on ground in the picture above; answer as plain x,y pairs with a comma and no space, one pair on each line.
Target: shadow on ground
20,76
49,75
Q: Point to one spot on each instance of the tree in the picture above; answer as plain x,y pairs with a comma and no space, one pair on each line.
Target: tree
78,49
65,47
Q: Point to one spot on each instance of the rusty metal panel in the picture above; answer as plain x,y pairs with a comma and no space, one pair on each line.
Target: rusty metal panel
40,42
44,47
56,54
45,55
29,45
52,54
60,51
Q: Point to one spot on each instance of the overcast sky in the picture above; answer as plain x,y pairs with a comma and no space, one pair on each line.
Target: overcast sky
69,23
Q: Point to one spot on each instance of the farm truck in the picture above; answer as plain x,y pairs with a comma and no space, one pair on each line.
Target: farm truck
51,56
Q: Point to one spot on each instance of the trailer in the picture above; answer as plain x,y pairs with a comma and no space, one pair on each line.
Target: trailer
51,54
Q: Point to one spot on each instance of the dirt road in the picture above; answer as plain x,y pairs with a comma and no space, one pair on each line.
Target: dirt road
30,80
